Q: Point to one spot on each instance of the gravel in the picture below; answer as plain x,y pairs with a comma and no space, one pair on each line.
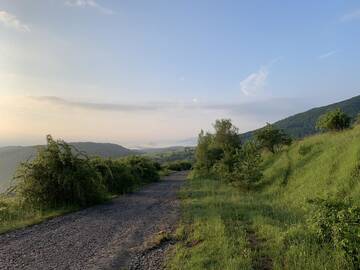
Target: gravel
108,236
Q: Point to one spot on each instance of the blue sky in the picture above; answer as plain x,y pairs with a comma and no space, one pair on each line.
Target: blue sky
156,72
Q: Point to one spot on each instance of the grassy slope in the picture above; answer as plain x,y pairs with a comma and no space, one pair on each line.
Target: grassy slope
303,124
219,215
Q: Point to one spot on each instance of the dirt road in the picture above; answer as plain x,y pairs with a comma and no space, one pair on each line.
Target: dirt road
109,236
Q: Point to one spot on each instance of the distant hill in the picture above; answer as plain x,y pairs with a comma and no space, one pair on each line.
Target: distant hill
12,156
303,124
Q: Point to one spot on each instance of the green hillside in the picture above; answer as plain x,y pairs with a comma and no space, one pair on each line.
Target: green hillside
303,124
12,156
268,228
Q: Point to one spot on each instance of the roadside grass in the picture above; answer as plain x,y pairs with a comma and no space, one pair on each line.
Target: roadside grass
217,216
211,234
15,216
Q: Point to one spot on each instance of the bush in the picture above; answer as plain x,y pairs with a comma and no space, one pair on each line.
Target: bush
334,121
338,223
59,176
117,176
247,170
180,165
272,138
143,169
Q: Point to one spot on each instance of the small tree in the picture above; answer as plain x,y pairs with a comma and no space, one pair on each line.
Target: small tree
272,138
247,171
334,121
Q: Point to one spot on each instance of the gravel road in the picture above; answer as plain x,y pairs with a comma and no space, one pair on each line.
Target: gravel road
109,236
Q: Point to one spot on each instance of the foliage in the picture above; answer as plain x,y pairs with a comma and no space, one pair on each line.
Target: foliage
334,121
59,176
116,175
142,168
338,223
224,156
272,138
180,165
247,170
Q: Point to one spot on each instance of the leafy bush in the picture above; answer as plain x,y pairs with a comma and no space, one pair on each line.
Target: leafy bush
334,120
143,169
247,171
338,223
272,138
181,165
117,176
59,176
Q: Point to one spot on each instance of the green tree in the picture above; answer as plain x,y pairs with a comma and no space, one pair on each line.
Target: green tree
226,135
218,147
272,138
334,121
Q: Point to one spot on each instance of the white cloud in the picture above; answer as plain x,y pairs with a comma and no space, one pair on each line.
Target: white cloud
354,15
328,54
89,3
11,21
255,82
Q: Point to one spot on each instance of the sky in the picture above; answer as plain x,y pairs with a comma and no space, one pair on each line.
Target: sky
151,72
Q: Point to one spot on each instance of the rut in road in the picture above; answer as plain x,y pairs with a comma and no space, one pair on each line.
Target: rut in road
106,236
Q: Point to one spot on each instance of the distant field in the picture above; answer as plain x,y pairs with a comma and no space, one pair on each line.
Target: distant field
225,228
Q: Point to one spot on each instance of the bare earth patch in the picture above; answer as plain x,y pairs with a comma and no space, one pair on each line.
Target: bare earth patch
109,236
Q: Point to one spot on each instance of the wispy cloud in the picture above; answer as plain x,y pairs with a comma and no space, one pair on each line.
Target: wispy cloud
90,4
327,54
267,108
255,82
94,106
10,20
353,15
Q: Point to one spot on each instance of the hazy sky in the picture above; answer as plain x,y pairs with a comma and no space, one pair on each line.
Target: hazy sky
156,72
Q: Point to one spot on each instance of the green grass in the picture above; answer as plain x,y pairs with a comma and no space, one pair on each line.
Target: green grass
14,216
211,233
215,215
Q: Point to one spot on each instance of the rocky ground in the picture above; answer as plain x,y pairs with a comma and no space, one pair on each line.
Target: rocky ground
115,235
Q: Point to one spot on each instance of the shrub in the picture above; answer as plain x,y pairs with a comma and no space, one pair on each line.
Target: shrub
116,175
143,169
59,176
272,138
338,223
180,165
334,121
247,171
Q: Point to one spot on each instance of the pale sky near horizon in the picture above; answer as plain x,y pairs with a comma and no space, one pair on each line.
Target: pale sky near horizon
156,72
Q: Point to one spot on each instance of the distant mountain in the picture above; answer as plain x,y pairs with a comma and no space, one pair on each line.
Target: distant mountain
12,156
303,124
